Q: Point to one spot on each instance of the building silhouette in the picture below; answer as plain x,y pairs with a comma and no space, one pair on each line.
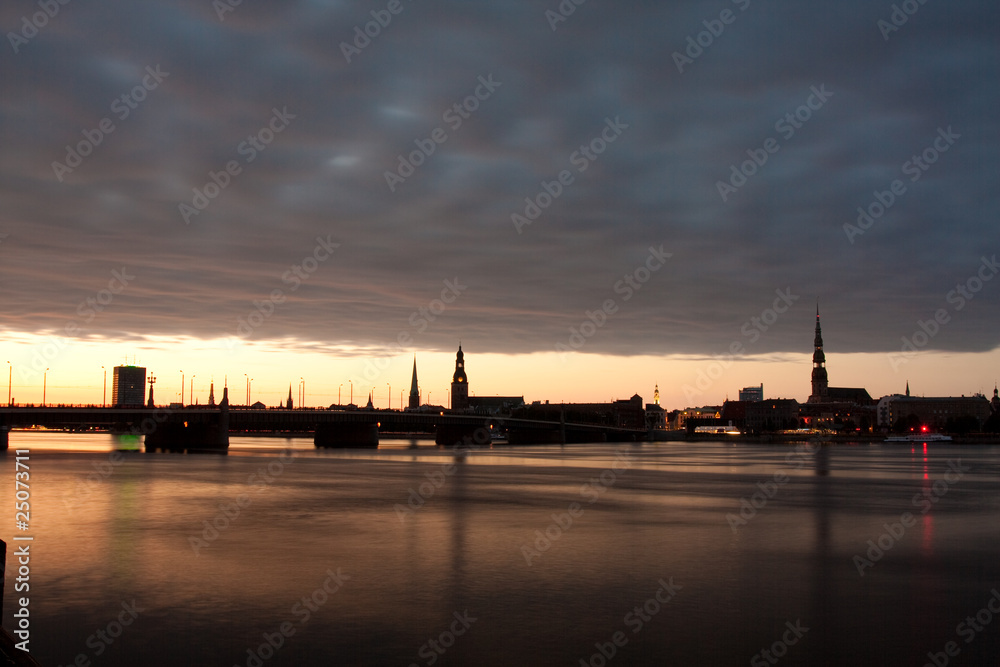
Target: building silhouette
822,392
128,387
941,413
414,387
459,383
656,416
754,394
833,407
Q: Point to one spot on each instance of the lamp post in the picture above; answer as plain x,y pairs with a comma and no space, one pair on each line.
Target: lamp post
45,380
104,396
428,398
302,390
338,393
390,394
191,393
182,388
352,391
248,388
10,378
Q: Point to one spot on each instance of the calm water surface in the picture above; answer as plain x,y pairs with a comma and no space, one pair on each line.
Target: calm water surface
471,569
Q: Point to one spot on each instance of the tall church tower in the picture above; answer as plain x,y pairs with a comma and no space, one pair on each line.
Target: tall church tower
820,383
459,383
414,388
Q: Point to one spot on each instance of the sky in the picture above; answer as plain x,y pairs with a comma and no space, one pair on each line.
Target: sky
593,199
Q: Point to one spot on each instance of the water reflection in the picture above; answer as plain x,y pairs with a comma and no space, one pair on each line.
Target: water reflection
460,549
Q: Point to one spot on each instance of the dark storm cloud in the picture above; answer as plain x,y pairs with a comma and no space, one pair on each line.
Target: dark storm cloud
323,176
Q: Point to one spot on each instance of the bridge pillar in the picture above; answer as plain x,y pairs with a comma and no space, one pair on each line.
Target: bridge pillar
200,431
346,435
4,438
455,435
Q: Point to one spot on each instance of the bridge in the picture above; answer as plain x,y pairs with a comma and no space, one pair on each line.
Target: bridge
207,429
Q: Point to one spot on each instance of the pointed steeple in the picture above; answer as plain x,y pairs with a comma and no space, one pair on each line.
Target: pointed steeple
656,395
907,387
414,387
211,393
370,406
289,404
820,382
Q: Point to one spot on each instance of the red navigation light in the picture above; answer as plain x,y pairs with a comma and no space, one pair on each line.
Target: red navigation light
923,429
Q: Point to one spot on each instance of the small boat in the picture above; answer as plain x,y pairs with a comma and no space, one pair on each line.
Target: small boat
917,437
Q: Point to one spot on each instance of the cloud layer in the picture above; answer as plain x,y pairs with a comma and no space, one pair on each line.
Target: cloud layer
550,96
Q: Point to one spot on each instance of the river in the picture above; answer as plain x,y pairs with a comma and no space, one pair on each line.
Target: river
708,553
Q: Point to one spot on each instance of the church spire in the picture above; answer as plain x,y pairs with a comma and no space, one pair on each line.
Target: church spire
820,382
414,387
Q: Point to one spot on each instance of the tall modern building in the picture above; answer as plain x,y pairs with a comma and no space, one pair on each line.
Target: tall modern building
459,383
753,394
414,387
128,387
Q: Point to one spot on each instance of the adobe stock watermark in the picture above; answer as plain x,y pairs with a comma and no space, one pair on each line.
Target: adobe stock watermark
88,309
752,329
581,158
249,149
434,648
381,18
419,496
104,637
301,612
898,17
749,507
562,12
419,320
957,298
635,620
122,107
31,25
714,28
223,7
915,168
294,277
779,649
629,284
894,532
968,630
591,492
86,485
454,116
228,513
786,126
